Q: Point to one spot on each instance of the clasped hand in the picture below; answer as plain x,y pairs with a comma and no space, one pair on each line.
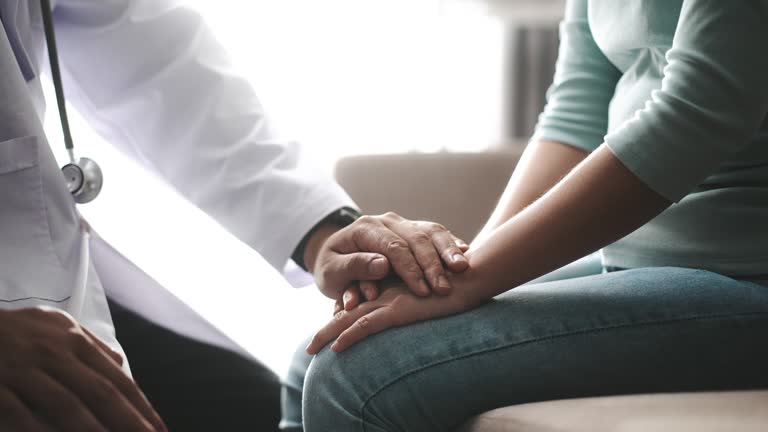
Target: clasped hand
422,254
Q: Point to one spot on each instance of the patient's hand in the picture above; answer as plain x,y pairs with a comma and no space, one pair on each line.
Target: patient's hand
348,264
396,306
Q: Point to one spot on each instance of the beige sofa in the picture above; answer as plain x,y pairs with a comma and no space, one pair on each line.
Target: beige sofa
460,190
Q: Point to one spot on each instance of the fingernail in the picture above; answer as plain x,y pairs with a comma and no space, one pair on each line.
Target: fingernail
442,281
459,257
377,265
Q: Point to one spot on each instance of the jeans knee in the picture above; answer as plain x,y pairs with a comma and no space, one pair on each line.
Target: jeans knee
333,392
291,392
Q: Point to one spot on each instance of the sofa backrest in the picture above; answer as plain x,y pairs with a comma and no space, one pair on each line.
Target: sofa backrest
458,190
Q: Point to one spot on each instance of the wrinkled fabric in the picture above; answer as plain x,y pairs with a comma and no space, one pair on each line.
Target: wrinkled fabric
149,77
678,90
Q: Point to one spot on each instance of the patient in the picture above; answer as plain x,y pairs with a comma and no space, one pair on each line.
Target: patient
676,195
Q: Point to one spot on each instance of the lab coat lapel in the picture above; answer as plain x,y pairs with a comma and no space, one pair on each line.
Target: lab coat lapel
17,15
39,229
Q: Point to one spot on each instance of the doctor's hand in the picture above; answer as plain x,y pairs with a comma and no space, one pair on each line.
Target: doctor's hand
348,262
56,375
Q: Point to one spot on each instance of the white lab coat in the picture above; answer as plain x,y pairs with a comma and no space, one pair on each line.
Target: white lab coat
151,79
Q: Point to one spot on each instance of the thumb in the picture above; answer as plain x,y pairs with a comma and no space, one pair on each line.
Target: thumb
364,266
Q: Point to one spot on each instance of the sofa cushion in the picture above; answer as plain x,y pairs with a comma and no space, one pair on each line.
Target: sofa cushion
743,411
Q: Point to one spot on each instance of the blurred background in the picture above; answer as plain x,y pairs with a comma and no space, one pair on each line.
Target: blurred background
343,77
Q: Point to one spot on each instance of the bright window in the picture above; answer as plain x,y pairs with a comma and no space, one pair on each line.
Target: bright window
368,76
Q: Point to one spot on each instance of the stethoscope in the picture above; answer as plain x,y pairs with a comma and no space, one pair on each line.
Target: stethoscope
83,176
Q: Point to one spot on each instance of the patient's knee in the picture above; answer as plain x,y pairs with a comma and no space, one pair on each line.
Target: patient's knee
333,392
291,394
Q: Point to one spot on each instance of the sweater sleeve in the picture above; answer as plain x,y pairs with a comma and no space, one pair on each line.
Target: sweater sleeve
577,101
713,98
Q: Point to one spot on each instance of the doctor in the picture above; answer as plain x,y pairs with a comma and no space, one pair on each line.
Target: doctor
152,80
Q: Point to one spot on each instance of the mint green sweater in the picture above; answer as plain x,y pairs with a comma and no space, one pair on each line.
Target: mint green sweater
678,90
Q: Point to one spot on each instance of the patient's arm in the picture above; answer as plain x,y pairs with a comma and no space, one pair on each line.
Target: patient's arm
543,164
597,203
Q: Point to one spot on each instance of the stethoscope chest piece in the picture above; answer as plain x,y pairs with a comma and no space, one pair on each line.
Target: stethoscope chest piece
83,176
84,179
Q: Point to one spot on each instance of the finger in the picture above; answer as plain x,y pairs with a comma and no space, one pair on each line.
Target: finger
103,397
104,347
357,266
351,298
382,239
340,322
427,256
370,290
338,306
102,364
460,243
62,409
450,251
16,416
369,324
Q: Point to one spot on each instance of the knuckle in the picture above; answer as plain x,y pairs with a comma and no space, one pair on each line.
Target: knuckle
408,224
414,270
365,220
392,215
396,246
434,266
77,339
44,314
359,236
451,250
437,227
53,314
79,344
364,323
421,238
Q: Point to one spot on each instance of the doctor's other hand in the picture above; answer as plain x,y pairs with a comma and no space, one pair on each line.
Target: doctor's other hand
370,249
396,306
56,375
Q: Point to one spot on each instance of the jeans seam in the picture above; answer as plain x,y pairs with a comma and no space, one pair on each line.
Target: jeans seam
550,337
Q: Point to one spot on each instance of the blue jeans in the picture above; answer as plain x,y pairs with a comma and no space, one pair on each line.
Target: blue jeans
634,331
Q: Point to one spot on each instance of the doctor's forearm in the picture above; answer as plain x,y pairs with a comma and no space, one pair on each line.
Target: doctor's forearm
599,202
